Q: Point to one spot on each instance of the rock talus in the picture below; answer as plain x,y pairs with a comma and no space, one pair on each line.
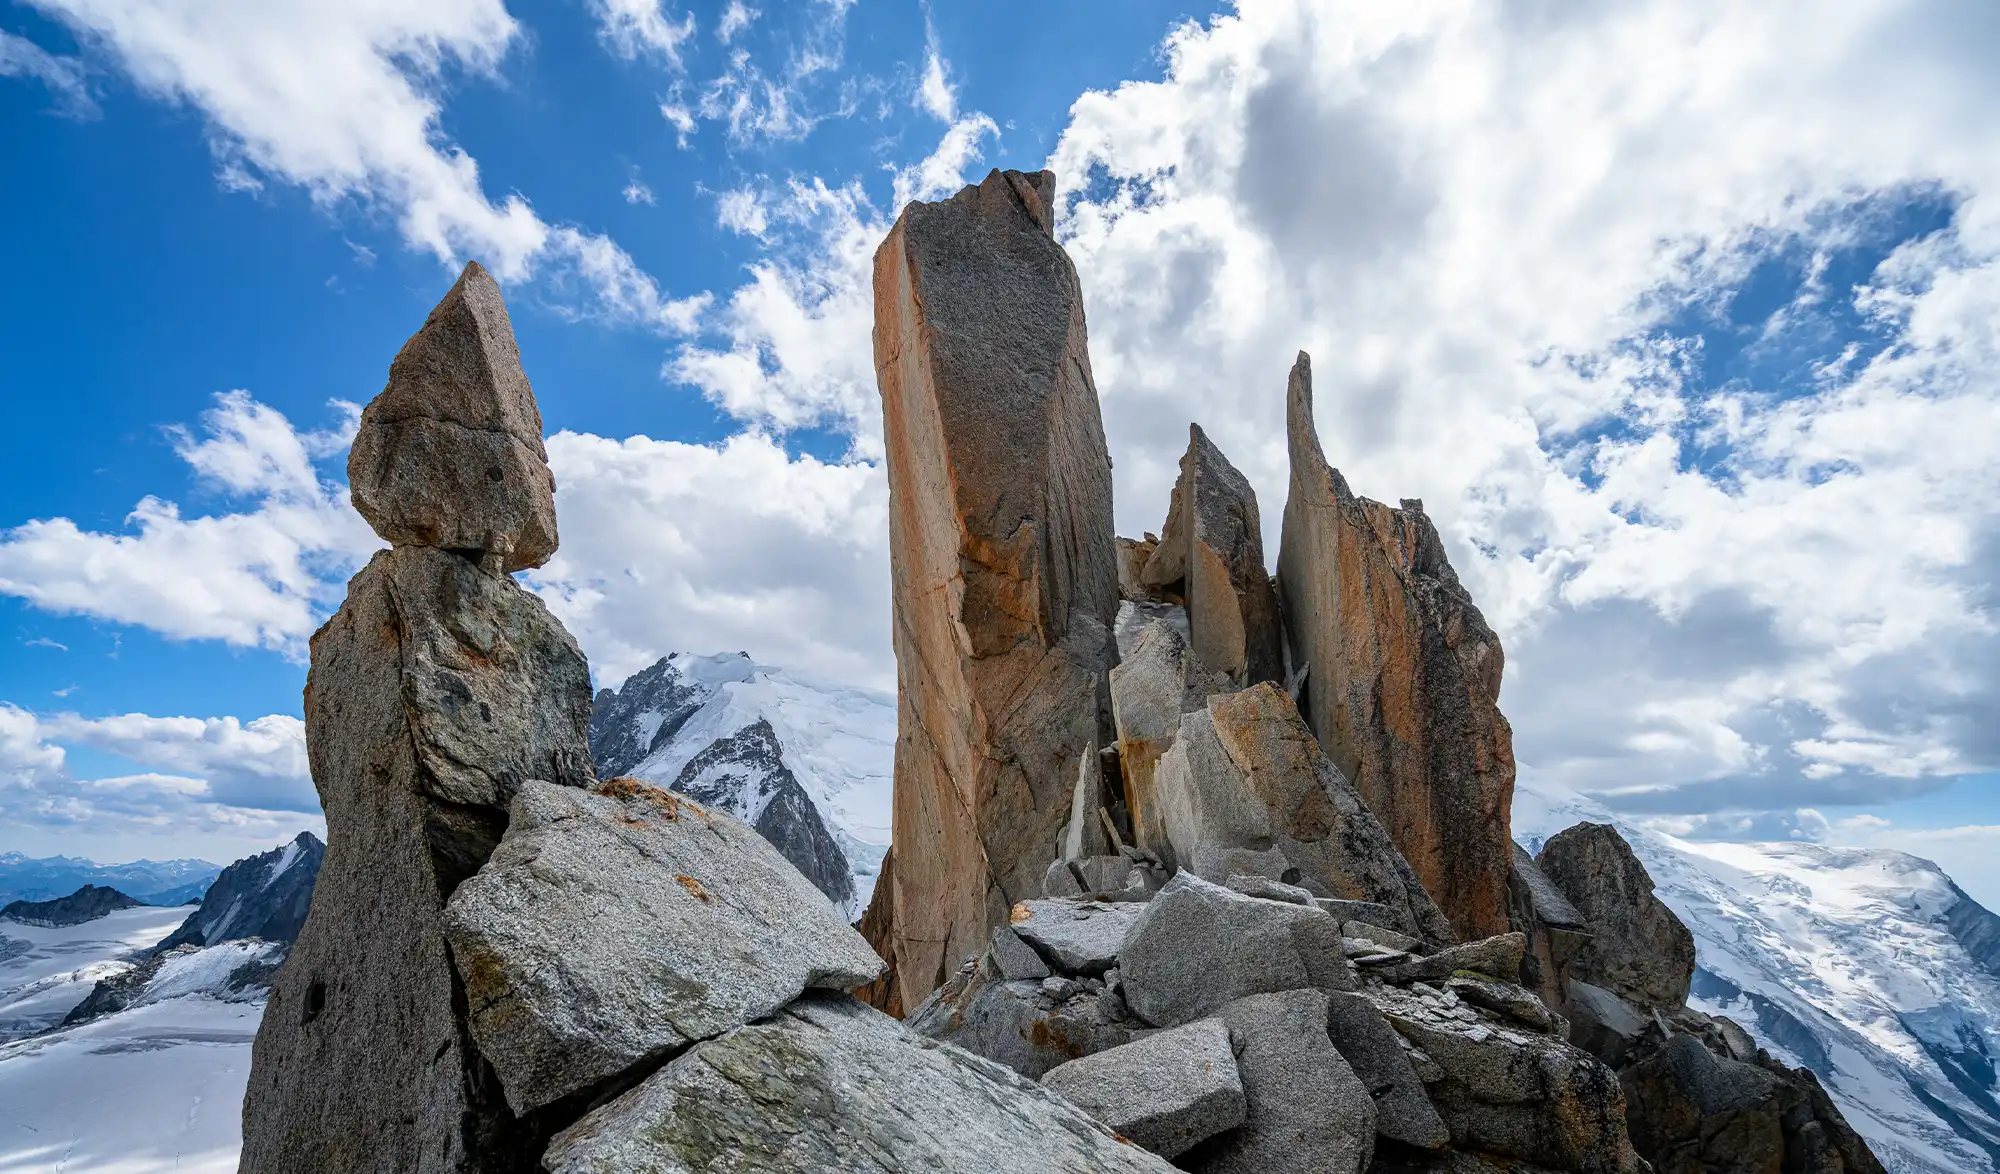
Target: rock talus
1005,572
436,691
450,454
1402,676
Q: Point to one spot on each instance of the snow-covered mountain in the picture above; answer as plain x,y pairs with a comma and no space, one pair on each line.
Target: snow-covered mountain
807,762
264,896
1868,966
156,882
45,971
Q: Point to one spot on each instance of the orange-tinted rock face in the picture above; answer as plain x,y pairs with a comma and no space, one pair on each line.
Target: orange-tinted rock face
1403,676
1211,552
1001,547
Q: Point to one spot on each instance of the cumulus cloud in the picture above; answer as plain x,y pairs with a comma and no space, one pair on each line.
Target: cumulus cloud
737,546
1724,580
344,101
257,577
64,76
211,777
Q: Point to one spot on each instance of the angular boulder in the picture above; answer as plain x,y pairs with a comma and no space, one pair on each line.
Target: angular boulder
1403,676
1004,569
1638,948
1029,1025
1156,682
450,454
1307,1111
1495,957
1555,928
1211,553
614,927
1166,1091
829,1086
1403,1110
1198,946
1075,936
1245,775
1516,1094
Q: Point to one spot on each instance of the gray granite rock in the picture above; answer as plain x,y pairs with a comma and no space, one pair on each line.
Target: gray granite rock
1198,946
1308,1112
1372,912
1157,679
1516,1094
609,930
1603,1024
1403,1110
1508,1001
450,454
829,1086
1077,937
1060,880
1018,1023
1382,936
1084,835
1269,890
1495,957
1014,958
1166,1091
1104,874
435,690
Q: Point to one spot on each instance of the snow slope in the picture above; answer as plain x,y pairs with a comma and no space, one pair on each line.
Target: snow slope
836,740
1866,965
158,1086
44,972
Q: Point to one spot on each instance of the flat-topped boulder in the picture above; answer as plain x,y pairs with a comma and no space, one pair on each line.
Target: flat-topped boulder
1004,571
1402,677
613,927
450,454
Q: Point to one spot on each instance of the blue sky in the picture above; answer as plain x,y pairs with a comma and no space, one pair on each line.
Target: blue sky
1684,341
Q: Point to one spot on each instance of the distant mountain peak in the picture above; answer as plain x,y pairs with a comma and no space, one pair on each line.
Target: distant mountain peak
263,896
806,762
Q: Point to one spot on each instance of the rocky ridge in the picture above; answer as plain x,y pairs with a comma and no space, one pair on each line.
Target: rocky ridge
511,964
86,904
1251,911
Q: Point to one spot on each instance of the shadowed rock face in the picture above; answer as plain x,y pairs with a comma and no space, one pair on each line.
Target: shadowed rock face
436,691
1403,676
86,904
263,896
1639,948
1211,553
450,454
1004,570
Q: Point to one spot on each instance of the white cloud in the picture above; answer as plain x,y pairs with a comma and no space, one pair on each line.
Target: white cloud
344,100
634,28
259,577
1481,219
637,192
934,91
669,546
64,76
735,19
218,779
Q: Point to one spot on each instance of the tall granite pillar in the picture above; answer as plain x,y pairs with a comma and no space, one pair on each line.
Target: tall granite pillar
1402,676
435,691
1002,552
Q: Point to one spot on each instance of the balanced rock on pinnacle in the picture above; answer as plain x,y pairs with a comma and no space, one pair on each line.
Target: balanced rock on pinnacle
450,454
1402,679
1004,568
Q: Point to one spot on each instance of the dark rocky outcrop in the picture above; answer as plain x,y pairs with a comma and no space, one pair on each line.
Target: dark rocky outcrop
1638,948
641,715
1004,572
86,904
1402,676
263,896
1211,553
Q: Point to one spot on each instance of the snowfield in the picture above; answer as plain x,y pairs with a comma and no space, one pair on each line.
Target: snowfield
45,972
